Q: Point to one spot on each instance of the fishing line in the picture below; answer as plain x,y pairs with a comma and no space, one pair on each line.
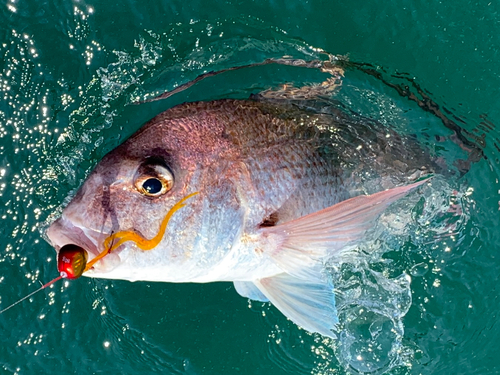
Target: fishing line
32,293
72,259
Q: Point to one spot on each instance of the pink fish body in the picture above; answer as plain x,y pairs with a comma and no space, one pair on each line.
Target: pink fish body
276,198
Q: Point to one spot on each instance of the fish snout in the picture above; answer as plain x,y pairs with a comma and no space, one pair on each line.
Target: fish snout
76,246
63,232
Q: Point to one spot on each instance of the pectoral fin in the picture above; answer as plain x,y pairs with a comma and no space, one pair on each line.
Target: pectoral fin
309,304
299,246
249,290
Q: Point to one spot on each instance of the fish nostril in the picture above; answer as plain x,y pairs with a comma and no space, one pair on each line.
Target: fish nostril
71,261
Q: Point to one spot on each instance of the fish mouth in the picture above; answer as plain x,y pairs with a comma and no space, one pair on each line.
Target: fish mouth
63,232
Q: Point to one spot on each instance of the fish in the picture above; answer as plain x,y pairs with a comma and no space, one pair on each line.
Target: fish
271,190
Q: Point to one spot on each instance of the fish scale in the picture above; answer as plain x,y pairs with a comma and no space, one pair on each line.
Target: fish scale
273,195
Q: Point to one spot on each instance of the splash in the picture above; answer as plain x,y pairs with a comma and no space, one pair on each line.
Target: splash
370,338
374,282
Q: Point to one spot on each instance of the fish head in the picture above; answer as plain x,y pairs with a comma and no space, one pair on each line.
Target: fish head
135,186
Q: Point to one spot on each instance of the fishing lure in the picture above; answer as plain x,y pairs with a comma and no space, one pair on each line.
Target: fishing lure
72,259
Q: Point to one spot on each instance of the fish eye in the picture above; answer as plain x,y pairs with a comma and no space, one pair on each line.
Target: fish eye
152,186
153,180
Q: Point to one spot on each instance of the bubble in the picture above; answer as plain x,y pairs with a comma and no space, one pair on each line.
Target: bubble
419,270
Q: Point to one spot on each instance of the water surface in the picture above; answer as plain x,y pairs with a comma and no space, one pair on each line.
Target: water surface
68,73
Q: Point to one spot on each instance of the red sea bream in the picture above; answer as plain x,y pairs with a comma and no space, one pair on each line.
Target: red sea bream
281,189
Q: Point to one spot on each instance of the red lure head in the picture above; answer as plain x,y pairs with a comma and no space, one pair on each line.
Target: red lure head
71,261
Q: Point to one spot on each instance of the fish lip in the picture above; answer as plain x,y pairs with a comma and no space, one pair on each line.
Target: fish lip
64,231
107,264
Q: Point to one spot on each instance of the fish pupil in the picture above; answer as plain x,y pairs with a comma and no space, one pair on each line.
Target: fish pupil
152,185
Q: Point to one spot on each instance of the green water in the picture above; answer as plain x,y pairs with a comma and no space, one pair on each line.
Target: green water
68,71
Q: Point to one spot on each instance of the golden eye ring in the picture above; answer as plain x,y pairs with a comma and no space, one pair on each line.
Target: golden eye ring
154,181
